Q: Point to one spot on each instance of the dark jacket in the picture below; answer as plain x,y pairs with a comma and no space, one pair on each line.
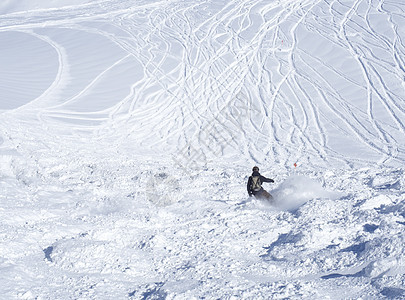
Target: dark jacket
250,183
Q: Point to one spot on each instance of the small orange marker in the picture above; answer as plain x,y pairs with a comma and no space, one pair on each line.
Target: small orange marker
295,165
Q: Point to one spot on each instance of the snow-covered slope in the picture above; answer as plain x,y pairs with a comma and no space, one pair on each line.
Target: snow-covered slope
128,130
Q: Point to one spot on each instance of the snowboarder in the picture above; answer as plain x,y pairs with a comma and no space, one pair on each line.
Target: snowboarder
254,185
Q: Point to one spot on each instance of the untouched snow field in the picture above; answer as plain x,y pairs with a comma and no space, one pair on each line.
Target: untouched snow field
128,130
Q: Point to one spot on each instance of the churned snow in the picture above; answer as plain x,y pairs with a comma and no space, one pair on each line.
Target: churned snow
128,130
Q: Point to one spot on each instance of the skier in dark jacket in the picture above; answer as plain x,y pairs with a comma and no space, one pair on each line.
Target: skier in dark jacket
254,185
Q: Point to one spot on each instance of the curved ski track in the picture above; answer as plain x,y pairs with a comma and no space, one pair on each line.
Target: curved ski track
315,82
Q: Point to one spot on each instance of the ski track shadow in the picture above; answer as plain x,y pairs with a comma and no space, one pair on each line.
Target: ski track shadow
393,293
48,252
150,291
357,249
283,239
388,292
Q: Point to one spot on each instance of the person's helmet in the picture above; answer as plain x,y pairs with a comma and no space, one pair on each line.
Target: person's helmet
255,169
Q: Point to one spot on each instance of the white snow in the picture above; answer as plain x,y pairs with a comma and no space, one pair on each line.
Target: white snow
128,130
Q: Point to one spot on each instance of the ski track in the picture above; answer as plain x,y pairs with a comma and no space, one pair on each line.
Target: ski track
178,62
190,89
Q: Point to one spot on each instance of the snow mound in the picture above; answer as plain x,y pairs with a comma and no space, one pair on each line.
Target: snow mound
298,189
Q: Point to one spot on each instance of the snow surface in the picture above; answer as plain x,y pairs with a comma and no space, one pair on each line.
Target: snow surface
128,130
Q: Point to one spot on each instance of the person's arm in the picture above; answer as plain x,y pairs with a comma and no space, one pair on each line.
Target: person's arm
265,179
249,186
